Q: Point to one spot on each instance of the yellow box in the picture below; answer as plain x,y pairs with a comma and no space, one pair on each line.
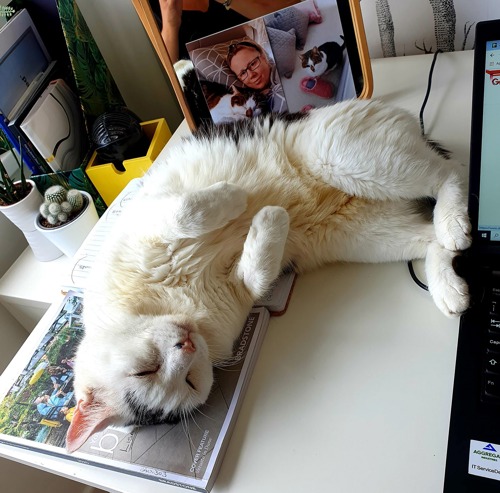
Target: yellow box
109,181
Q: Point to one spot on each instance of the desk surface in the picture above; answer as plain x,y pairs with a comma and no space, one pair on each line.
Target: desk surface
352,389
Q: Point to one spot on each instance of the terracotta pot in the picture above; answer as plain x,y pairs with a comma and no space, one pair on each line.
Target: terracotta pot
68,237
23,214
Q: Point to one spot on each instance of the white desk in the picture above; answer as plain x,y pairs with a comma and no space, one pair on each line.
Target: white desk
353,385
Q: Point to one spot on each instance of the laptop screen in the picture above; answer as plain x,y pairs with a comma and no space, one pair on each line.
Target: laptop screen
484,173
489,179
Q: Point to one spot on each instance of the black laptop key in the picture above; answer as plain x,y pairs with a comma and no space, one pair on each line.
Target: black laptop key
492,363
494,325
491,389
493,342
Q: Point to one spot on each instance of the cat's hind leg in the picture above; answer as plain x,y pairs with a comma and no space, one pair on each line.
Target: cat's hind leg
374,151
261,260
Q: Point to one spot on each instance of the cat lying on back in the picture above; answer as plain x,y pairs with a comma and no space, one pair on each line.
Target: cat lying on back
217,221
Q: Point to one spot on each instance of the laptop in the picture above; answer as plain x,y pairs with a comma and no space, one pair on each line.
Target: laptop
473,455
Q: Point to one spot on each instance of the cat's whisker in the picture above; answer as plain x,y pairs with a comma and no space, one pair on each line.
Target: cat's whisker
204,414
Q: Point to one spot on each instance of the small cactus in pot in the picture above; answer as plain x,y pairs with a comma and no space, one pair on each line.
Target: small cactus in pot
61,205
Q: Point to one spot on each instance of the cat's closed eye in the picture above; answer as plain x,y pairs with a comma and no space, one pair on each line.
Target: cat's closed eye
147,371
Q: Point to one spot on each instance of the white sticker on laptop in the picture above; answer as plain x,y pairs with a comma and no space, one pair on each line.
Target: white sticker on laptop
484,459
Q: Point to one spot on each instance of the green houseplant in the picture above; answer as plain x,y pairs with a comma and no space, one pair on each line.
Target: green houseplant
19,202
10,190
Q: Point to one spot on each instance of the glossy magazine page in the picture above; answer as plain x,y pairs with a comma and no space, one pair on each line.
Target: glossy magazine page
38,402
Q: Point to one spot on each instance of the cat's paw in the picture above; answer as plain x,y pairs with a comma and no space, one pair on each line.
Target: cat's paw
274,221
262,257
207,209
232,197
449,291
453,228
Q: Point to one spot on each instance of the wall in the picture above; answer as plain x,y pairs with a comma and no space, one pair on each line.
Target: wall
131,59
12,334
412,27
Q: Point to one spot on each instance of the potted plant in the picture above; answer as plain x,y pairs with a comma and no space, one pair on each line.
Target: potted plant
19,202
66,217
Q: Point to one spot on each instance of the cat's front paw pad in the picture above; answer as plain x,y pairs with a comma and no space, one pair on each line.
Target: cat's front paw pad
454,300
274,220
450,293
453,230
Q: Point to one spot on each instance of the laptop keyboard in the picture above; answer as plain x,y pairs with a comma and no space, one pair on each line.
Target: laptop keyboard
490,391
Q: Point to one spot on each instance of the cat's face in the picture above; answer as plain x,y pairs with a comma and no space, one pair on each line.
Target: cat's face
314,62
157,371
244,105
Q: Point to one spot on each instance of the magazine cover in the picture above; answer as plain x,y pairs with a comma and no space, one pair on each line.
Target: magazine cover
288,61
37,408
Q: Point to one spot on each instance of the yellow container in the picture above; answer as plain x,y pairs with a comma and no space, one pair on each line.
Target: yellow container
109,181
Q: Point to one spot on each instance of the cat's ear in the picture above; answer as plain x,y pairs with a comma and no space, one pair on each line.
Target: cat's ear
89,417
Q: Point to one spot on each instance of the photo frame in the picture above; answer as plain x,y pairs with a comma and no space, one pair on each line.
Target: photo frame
283,38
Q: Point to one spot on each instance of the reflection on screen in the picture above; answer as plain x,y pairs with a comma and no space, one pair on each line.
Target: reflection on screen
489,201
18,67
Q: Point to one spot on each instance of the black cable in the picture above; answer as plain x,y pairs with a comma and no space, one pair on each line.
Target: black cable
426,97
63,139
422,128
414,276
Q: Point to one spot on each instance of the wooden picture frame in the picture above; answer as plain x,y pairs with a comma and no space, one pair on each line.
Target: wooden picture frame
355,40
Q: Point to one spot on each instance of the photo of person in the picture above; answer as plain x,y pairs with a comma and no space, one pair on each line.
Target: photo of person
237,73
291,60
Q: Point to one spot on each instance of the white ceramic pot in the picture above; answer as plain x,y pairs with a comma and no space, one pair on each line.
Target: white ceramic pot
23,214
69,236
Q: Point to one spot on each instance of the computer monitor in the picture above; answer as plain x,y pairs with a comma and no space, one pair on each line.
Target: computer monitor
23,56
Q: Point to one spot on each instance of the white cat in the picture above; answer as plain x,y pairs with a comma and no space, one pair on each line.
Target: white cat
216,223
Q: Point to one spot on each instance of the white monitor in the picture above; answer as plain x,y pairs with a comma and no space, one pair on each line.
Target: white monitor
23,56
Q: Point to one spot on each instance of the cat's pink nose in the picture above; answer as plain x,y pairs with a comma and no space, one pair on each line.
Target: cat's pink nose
186,345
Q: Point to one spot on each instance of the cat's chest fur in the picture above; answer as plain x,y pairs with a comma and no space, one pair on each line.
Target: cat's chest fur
155,271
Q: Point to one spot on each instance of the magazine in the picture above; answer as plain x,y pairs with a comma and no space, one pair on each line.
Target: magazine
37,404
277,298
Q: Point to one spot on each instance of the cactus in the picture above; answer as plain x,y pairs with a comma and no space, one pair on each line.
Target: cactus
60,204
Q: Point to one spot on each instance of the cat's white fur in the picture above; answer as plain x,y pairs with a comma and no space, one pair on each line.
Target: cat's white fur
216,222
318,69
227,112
